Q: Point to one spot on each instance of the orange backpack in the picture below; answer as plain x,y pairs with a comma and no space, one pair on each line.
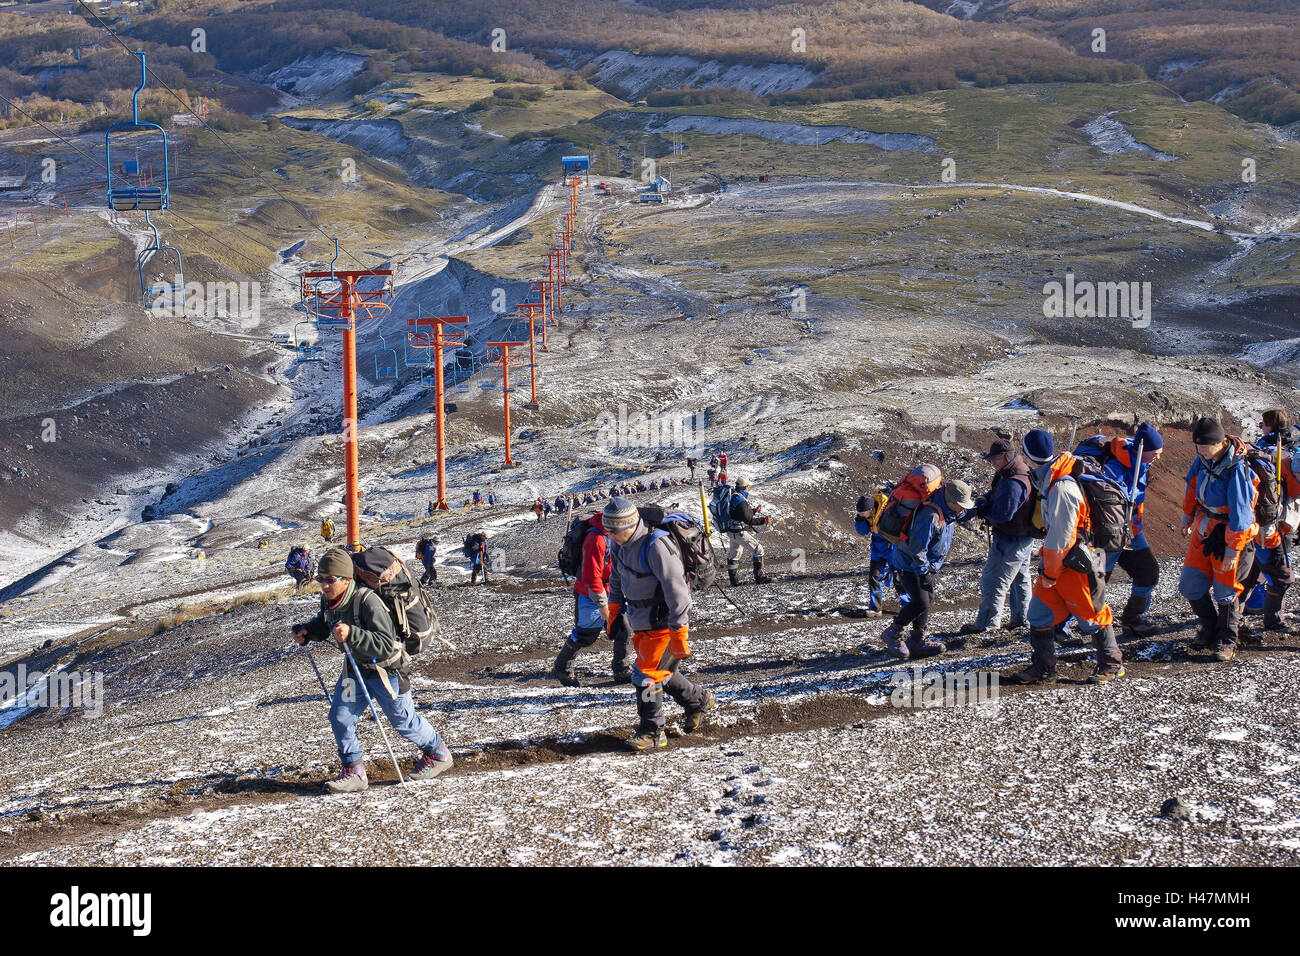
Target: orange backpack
912,492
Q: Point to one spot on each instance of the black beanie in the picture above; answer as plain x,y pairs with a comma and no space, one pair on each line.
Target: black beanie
1207,431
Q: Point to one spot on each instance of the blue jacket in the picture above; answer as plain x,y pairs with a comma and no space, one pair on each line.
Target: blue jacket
1007,500
1227,491
928,538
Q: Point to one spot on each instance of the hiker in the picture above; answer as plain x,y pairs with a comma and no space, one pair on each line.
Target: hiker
1273,555
1115,456
880,575
300,566
327,529
1009,510
648,580
426,551
713,470
736,517
690,466
492,498
1219,517
477,498
592,610
354,615
1072,576
475,548
722,467
429,511
917,558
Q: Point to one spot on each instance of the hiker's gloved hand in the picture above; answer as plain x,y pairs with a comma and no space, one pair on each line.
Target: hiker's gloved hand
340,632
300,635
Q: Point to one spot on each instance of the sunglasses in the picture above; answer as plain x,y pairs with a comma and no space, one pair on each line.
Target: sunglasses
326,579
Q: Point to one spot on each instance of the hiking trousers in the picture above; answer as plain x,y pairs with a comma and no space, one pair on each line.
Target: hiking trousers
1006,572
740,540
919,589
1202,574
1070,594
349,703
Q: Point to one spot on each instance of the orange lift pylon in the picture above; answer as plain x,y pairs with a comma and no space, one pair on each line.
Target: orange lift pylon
339,300
553,269
532,308
503,362
436,340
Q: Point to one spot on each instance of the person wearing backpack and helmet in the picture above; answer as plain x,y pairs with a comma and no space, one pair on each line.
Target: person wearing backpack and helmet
1009,510
354,615
742,516
918,556
593,612
1115,458
648,581
1219,517
1072,577
1275,542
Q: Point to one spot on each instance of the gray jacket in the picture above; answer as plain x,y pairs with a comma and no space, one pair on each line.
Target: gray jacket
655,592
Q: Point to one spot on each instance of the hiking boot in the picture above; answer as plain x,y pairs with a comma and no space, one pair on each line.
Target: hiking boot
733,575
431,764
890,639
918,647
759,576
622,676
971,629
562,670
1015,624
1101,675
1042,664
648,740
1138,627
1208,617
351,779
1273,619
694,718
1224,652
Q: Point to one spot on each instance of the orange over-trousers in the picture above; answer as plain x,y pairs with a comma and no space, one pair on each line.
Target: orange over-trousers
1070,594
657,652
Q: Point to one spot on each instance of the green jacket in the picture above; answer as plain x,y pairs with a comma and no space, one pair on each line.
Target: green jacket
371,634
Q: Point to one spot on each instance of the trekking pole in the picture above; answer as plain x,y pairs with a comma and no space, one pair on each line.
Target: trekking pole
375,711
312,658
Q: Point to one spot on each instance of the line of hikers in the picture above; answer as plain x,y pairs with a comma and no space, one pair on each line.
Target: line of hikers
1083,512
636,570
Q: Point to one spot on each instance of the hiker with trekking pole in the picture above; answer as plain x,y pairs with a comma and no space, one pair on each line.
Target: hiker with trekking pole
1280,447
733,514
361,624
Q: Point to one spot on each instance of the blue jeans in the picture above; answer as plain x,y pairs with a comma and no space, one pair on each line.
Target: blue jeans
349,703
1006,570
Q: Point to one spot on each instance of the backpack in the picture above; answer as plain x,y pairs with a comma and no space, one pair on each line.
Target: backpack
385,573
1268,505
692,543
914,490
1096,448
1109,509
569,560
720,509
295,560
422,547
470,546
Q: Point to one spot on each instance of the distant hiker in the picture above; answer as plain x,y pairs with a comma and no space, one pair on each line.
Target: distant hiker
1115,457
475,548
547,509
880,575
585,557
537,507
734,515
478,498
327,529
1009,510
649,580
916,559
300,566
713,470
690,466
722,467
1072,579
1273,555
429,511
426,550
1219,516
354,615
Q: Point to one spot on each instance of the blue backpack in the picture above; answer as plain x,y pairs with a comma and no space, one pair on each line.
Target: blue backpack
720,509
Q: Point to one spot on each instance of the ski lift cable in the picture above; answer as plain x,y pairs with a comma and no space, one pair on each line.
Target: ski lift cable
302,211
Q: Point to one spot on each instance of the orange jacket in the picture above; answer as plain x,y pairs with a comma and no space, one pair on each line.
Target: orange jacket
1065,513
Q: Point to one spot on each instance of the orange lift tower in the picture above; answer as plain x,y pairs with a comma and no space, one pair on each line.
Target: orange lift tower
543,290
503,362
553,270
532,308
436,340
338,300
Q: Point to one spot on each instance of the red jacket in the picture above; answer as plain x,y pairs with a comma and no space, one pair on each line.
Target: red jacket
594,579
